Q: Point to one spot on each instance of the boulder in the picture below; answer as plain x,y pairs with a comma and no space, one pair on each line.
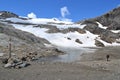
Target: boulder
78,41
24,65
4,60
68,38
8,65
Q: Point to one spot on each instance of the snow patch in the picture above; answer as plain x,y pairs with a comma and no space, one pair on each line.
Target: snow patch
39,21
115,31
101,26
65,26
60,39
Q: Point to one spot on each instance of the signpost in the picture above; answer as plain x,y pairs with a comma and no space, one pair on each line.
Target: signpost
9,48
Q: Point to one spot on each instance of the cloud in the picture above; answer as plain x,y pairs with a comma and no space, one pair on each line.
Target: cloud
64,11
32,15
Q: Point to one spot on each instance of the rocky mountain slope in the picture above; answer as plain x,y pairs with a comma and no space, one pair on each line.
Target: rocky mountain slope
22,42
101,31
111,25
111,19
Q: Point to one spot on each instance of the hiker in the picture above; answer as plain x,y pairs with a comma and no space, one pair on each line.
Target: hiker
107,57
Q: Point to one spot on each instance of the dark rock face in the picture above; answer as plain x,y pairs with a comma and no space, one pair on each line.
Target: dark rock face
99,44
105,34
110,19
6,14
93,27
109,37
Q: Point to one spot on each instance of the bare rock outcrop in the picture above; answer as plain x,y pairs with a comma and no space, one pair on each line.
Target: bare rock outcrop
6,14
99,44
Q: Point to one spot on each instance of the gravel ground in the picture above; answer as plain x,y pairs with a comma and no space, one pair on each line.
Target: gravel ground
91,67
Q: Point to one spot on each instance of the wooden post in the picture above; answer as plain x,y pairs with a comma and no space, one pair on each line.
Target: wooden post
9,48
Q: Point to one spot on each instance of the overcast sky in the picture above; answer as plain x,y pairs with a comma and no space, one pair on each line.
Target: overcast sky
73,10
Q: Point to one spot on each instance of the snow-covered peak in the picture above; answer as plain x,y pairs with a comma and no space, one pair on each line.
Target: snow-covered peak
39,21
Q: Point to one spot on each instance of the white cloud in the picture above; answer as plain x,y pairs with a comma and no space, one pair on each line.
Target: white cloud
64,11
32,15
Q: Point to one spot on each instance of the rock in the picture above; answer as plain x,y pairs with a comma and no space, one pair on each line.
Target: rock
78,41
11,60
24,65
57,50
68,38
23,59
99,44
81,31
8,65
31,56
118,41
4,60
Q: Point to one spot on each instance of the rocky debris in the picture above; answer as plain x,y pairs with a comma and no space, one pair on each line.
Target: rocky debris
20,61
99,44
6,14
30,56
4,60
15,63
81,31
78,41
51,52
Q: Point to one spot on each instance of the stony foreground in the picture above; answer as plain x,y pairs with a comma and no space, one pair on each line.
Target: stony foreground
91,67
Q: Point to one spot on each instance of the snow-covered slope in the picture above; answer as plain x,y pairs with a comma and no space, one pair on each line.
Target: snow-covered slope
68,39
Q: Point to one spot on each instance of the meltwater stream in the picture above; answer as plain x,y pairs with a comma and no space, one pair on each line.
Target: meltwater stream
72,54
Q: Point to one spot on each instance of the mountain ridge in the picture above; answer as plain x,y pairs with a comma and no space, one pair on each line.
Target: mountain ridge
99,30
